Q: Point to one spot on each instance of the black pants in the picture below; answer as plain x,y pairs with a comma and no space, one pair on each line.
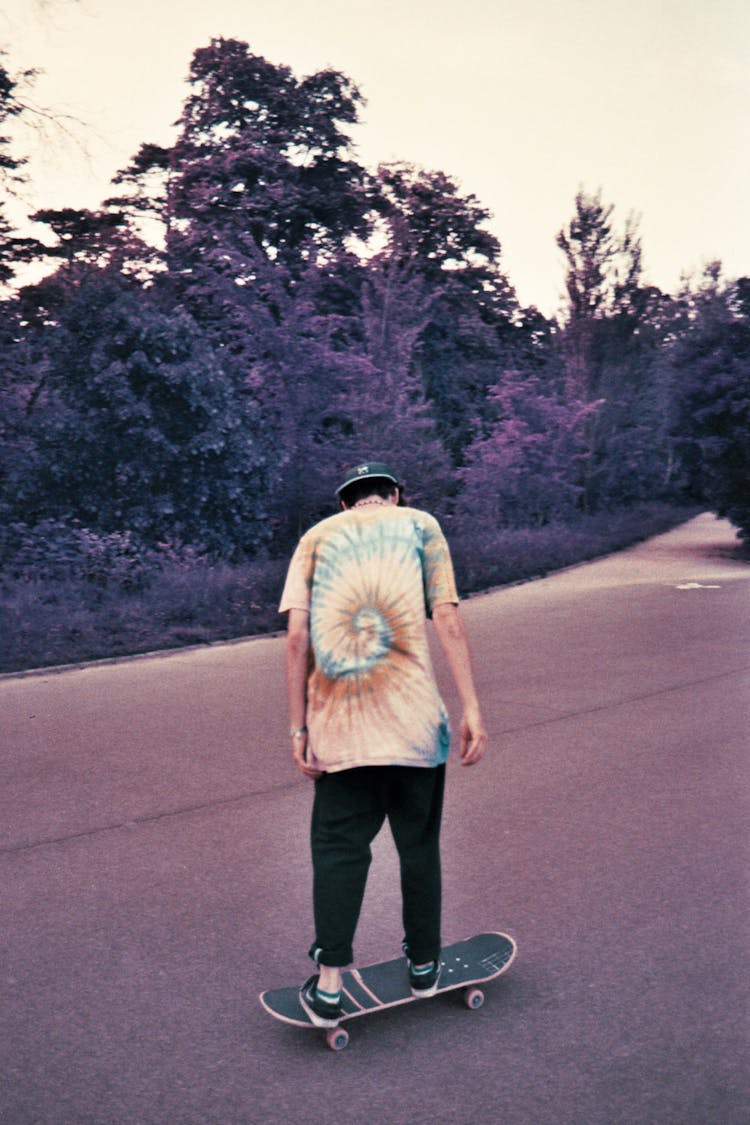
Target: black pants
349,810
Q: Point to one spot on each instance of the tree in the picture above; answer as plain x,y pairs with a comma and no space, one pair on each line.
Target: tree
140,428
308,382
14,249
610,345
146,202
397,423
441,229
710,408
527,466
602,280
265,158
260,195
19,369
473,320
88,239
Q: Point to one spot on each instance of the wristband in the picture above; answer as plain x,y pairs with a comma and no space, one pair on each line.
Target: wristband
296,733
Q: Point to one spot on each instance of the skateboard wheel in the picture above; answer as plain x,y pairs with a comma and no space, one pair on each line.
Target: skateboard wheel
337,1038
473,998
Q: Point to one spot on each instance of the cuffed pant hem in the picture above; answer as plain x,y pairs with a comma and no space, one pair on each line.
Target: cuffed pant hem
420,955
333,958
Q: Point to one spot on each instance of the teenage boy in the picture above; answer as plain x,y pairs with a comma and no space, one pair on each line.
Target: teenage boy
368,725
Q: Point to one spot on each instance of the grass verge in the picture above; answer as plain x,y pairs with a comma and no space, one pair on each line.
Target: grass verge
55,618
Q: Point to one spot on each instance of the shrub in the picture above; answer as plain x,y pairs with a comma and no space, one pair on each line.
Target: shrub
77,599
56,551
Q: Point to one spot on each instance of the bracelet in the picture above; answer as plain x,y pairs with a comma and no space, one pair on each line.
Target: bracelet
296,733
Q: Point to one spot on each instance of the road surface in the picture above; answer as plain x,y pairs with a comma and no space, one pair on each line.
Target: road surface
155,875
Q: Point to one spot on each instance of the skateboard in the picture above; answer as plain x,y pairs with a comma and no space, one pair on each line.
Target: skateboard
466,964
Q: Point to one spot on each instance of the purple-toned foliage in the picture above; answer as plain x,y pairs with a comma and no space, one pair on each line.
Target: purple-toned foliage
265,157
141,429
399,423
526,470
14,248
473,324
611,344
295,313
710,407
57,550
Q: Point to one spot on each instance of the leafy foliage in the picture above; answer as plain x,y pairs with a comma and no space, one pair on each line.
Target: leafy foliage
611,344
14,248
528,466
141,428
710,412
473,323
252,310
263,158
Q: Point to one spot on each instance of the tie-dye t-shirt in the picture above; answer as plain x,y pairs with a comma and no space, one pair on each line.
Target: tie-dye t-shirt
369,577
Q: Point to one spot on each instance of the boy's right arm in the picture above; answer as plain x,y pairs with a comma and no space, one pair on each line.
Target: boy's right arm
297,652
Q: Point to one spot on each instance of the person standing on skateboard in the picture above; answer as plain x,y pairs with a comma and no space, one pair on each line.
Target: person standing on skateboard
368,725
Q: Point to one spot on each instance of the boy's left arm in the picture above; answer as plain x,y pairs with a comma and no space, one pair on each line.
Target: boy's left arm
452,636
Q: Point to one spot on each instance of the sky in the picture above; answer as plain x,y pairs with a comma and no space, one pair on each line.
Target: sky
521,102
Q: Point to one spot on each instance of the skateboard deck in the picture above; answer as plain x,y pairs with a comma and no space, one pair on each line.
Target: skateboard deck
466,964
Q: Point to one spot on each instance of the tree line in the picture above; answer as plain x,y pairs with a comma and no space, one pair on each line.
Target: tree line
252,309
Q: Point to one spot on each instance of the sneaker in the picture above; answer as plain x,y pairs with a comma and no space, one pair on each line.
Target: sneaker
321,1012
424,981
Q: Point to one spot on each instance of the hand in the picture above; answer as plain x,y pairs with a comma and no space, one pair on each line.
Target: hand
299,755
472,737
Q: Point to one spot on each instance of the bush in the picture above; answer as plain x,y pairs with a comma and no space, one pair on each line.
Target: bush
84,597
55,551
69,594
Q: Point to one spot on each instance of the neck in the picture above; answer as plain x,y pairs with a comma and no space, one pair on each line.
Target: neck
370,500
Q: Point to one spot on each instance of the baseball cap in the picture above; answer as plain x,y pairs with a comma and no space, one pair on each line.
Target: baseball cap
365,471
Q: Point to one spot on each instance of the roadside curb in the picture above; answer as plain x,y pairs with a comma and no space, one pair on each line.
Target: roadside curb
131,658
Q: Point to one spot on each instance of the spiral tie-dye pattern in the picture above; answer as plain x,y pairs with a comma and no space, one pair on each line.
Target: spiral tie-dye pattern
367,577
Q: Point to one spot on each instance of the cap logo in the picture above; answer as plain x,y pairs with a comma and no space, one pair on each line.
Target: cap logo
362,469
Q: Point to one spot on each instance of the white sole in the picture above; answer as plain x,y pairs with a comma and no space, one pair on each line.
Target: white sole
425,993
318,1021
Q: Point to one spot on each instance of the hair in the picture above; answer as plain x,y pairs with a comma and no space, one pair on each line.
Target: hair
371,486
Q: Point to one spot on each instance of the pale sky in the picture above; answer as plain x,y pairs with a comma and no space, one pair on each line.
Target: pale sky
521,101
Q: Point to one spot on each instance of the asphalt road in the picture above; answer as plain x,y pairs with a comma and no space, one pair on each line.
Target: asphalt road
153,848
